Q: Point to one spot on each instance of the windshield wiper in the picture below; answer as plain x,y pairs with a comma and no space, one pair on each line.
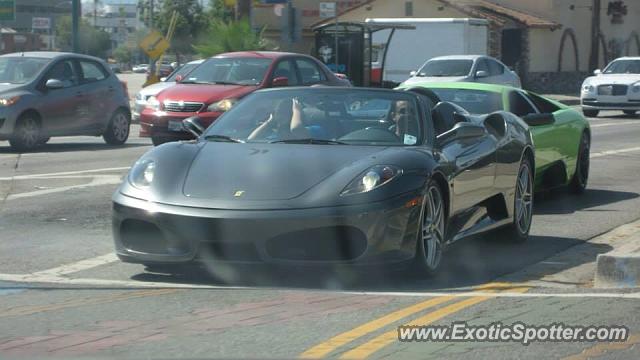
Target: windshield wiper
309,141
222,138
222,83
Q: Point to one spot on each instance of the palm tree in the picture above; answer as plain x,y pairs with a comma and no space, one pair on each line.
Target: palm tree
224,37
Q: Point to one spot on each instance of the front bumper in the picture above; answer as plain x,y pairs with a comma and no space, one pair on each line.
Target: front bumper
152,233
601,102
7,122
156,123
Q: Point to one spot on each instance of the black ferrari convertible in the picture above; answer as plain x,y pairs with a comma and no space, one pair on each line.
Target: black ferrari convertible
328,176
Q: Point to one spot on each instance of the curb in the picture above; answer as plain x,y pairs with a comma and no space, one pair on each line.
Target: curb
620,268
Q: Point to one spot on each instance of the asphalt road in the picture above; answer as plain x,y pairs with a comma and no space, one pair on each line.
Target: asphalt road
63,293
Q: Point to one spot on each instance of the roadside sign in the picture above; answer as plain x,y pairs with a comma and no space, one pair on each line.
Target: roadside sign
154,44
7,10
41,23
327,10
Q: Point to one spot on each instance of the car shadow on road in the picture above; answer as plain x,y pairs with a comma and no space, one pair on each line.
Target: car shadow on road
559,201
467,264
69,147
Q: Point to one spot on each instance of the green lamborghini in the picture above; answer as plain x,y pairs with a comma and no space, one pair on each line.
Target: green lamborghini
561,135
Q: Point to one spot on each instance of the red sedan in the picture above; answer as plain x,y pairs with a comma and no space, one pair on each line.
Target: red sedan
218,83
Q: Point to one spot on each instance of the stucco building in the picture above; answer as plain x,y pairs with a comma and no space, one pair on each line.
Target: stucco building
547,41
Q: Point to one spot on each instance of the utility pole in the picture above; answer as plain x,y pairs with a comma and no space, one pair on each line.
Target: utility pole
595,31
75,20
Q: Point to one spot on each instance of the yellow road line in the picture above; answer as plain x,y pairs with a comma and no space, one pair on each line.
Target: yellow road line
324,348
35,309
387,338
602,348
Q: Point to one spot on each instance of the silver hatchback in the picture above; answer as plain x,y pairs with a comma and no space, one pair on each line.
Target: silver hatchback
45,94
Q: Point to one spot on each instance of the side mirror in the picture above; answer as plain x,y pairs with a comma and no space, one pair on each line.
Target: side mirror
193,125
413,73
462,130
597,72
280,81
481,74
53,84
179,78
539,119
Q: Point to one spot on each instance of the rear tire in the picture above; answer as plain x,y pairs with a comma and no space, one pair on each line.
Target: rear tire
43,140
629,112
518,230
26,135
580,178
118,129
158,140
590,113
431,237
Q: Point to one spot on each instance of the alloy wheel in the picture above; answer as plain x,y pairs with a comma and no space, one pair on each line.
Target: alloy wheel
432,231
524,199
120,127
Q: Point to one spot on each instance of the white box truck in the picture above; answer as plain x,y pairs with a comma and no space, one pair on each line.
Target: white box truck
406,50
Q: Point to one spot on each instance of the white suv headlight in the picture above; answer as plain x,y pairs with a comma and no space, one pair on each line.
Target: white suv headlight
587,88
153,103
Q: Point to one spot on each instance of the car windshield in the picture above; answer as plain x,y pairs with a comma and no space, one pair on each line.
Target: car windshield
474,101
322,116
182,71
446,68
238,71
623,67
20,70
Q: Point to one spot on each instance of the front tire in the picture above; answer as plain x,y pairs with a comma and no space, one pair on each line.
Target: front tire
580,178
158,140
590,113
118,129
518,230
431,237
26,135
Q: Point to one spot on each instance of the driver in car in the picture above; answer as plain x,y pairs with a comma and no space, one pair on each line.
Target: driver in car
399,117
283,124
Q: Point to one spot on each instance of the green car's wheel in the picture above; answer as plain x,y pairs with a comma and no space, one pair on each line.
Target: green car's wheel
590,113
578,183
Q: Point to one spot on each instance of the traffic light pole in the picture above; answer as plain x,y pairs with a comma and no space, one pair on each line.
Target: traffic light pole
75,20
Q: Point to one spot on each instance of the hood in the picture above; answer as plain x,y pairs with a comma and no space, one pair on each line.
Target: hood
204,93
265,172
153,90
624,79
6,87
425,79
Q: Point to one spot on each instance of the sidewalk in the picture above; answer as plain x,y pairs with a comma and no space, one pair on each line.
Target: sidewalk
565,99
610,260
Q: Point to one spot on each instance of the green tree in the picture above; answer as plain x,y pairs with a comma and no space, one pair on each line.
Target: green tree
191,20
91,40
233,36
122,54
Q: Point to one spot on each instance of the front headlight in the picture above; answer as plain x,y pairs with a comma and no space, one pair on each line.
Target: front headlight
139,96
153,103
635,88
9,101
142,174
222,105
588,88
372,179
